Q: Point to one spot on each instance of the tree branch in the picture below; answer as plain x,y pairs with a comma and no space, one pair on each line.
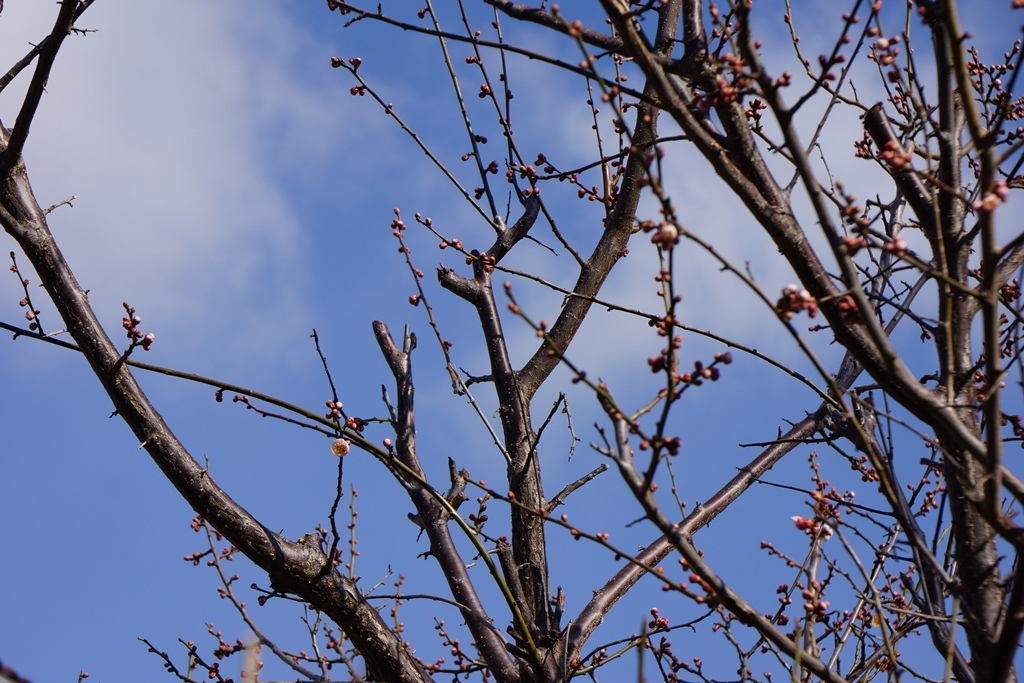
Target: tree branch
37,49
10,157
433,516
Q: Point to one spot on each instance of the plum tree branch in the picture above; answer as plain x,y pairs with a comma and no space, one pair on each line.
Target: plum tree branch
10,155
433,515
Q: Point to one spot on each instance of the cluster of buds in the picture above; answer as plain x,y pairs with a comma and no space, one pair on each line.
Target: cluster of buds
723,92
812,601
728,91
525,171
353,61
853,244
549,169
897,245
982,385
795,300
131,325
334,409
591,194
884,50
661,361
848,309
999,194
671,444
851,212
664,234
753,112
825,503
885,662
658,623
486,259
1018,426
813,527
827,62
701,373
479,518
1011,290
664,324
30,314
397,225
709,596
195,558
862,148
895,156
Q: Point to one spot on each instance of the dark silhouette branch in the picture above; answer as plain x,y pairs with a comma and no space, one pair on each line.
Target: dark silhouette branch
529,548
36,50
877,125
432,515
10,154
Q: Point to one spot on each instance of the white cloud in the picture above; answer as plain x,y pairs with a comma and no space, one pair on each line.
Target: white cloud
179,144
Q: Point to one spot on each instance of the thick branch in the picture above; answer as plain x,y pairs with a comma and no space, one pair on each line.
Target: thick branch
433,517
876,123
973,482
529,548
511,236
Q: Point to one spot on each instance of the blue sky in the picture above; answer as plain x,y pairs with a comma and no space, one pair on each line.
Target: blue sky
230,188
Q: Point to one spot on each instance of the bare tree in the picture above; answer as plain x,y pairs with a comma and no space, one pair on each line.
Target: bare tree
929,546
